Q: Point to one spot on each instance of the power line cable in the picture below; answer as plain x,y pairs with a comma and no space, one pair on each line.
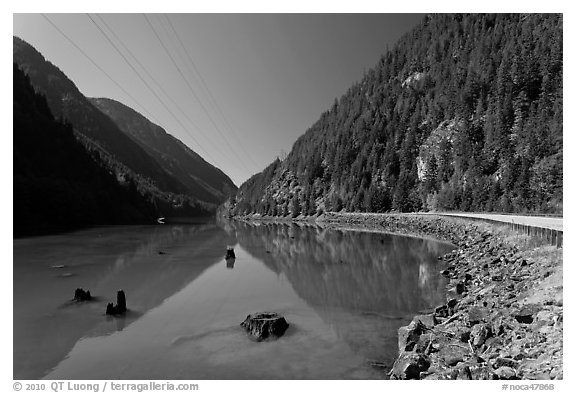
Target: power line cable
194,94
147,85
97,66
207,89
159,85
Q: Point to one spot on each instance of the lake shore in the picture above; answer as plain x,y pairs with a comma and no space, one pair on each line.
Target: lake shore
503,316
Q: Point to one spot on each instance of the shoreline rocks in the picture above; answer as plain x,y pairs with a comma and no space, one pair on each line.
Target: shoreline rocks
489,328
503,317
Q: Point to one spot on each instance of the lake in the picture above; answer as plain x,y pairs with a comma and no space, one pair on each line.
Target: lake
344,294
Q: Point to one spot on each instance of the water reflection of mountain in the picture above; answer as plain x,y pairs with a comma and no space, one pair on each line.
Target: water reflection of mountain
149,263
364,285
164,264
366,272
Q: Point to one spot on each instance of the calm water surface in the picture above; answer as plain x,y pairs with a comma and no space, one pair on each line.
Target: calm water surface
344,294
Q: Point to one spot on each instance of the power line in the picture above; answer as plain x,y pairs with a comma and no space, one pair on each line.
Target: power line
175,63
194,93
97,66
159,85
207,89
146,83
177,53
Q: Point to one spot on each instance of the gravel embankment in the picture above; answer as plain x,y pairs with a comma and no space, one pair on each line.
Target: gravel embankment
555,223
503,316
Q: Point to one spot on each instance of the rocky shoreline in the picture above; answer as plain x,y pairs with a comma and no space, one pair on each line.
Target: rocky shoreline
503,316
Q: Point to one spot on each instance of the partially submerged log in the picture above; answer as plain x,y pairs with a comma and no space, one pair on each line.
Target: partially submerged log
265,325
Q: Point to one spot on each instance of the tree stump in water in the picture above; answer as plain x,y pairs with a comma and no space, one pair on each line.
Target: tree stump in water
230,253
120,307
265,325
121,300
80,295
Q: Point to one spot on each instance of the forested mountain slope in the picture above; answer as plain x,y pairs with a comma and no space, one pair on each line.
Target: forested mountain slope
58,184
202,180
463,113
66,101
127,156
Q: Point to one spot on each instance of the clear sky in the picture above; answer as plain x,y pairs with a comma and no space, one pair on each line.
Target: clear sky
236,88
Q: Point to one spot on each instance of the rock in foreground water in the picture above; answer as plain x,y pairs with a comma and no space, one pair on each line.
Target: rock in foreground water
265,325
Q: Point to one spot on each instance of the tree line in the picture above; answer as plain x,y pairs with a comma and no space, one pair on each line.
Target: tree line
61,184
463,113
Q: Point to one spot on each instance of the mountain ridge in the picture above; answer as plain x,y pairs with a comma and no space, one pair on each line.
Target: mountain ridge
484,90
177,158
66,101
57,183
124,154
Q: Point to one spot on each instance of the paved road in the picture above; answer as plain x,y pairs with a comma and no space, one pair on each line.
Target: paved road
534,221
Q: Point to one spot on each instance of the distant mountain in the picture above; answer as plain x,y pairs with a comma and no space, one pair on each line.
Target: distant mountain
61,184
140,159
58,183
66,101
201,179
463,113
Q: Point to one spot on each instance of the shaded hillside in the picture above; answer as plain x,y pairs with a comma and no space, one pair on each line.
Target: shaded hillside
463,113
66,101
56,181
202,180
59,184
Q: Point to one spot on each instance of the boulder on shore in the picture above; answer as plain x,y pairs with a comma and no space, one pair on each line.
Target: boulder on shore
408,336
409,365
526,313
265,325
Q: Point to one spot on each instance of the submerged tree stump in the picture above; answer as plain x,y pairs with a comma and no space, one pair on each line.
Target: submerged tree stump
230,253
80,295
120,307
265,325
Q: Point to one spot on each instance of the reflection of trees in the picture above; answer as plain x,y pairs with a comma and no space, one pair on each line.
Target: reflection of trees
369,272
149,278
364,285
